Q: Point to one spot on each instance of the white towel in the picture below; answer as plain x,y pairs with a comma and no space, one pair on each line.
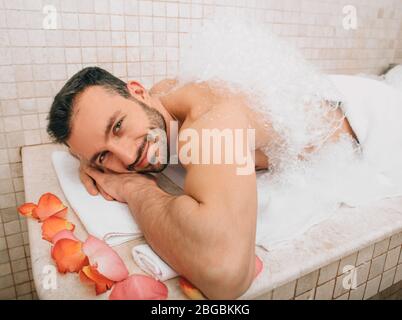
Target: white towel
111,221
151,263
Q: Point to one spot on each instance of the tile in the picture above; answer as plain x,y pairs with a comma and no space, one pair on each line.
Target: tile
9,214
398,274
27,250
358,293
12,227
25,297
17,253
343,297
325,291
23,289
381,247
21,277
7,200
344,283
6,186
309,295
265,296
5,171
14,240
328,272
365,255
5,269
306,282
25,238
3,243
396,240
19,265
4,256
387,279
6,281
7,294
372,287
377,266
347,261
362,273
392,258
285,292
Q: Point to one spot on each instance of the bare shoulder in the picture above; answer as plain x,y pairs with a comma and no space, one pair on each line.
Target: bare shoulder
164,86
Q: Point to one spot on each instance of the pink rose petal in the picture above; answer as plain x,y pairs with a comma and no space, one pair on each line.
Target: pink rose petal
105,259
139,287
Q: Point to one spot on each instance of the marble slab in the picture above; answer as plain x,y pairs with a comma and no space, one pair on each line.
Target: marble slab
347,231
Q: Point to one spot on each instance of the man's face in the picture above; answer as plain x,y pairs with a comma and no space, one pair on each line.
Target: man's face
111,131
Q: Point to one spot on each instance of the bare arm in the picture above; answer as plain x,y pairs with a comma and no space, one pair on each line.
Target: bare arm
207,234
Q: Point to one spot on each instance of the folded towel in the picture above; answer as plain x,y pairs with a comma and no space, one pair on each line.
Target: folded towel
111,221
151,263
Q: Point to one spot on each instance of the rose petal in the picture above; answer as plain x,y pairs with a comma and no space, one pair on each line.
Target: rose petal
189,290
68,255
90,275
49,205
63,234
27,210
105,259
258,266
139,287
53,225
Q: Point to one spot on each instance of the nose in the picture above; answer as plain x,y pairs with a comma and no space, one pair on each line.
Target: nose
124,149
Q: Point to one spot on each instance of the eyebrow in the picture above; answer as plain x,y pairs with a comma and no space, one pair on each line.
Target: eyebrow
109,126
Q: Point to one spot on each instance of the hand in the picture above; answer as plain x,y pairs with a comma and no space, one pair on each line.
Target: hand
119,185
90,184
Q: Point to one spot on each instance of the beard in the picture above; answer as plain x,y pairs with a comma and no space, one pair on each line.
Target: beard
157,122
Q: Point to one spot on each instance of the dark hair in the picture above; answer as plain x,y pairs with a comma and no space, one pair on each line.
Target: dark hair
59,126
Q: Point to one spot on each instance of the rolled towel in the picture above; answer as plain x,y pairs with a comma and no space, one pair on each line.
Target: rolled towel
151,263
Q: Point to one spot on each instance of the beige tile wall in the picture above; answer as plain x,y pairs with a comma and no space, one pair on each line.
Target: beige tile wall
140,39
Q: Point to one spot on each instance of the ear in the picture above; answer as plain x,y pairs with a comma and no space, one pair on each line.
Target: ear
137,90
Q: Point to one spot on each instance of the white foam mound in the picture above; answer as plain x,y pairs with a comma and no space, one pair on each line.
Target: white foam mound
296,194
249,57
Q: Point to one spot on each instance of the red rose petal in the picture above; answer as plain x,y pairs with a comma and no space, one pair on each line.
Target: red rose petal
49,205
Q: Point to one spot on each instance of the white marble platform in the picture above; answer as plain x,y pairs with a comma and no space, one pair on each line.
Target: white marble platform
348,231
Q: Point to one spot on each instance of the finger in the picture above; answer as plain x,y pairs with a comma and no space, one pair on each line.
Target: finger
89,184
94,173
105,194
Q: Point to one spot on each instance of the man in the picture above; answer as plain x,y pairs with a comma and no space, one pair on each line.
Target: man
208,233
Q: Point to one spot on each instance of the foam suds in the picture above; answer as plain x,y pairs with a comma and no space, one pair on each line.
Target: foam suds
280,83
296,194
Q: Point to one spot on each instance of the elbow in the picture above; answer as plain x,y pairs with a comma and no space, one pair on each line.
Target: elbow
231,279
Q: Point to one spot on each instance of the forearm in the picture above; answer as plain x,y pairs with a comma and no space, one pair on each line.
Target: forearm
187,236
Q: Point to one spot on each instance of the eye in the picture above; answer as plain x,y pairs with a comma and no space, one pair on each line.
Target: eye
117,127
102,156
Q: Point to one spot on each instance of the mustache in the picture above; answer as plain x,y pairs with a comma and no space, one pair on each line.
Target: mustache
140,151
